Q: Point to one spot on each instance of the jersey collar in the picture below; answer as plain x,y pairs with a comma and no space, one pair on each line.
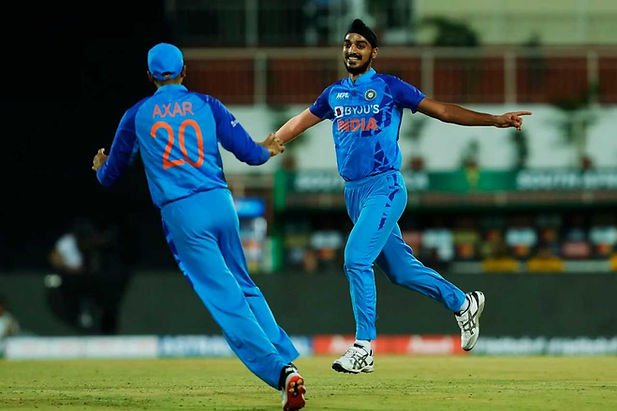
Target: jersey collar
363,78
170,87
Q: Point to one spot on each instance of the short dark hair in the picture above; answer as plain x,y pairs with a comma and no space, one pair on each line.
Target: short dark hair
358,27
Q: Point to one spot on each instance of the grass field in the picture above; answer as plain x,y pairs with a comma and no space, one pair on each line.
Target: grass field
398,383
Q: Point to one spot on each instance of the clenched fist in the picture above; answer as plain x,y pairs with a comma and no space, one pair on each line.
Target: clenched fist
99,159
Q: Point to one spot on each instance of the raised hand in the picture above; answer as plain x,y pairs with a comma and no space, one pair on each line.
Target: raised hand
273,144
512,119
99,159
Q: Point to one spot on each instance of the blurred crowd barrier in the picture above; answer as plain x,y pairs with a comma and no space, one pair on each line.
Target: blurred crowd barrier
163,303
498,75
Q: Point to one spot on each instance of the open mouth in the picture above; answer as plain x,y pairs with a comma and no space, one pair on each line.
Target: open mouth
353,58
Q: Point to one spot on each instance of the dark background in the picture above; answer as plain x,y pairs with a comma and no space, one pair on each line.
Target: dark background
69,72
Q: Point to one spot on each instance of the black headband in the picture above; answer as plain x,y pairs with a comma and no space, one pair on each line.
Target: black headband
362,29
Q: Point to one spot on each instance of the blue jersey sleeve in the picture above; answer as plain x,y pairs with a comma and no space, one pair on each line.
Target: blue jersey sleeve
403,93
123,150
234,138
321,107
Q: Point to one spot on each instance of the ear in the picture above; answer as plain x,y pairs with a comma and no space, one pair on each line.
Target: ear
375,52
183,73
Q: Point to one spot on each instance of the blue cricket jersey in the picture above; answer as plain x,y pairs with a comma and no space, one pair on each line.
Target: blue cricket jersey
366,118
177,132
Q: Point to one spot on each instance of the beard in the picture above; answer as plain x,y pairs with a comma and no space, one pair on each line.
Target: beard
358,69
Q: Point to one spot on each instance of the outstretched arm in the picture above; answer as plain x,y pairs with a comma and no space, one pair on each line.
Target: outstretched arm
452,113
296,126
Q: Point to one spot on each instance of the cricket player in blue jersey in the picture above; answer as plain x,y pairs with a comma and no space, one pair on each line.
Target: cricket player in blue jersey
177,132
366,110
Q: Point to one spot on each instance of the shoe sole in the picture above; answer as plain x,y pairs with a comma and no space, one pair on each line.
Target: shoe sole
293,397
339,368
481,302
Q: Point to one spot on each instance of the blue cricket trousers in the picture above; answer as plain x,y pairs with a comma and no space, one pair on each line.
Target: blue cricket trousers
375,205
203,234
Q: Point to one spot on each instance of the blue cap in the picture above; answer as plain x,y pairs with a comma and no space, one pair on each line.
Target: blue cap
165,61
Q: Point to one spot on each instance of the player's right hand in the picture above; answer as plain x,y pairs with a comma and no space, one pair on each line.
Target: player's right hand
99,159
273,144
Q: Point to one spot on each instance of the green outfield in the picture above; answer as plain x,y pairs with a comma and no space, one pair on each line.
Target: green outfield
398,383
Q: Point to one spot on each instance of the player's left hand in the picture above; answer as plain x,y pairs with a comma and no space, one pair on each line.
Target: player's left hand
99,159
512,119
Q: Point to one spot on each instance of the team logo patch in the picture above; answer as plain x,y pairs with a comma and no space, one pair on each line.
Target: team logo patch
370,94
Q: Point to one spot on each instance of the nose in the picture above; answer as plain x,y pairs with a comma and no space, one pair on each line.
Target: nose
353,48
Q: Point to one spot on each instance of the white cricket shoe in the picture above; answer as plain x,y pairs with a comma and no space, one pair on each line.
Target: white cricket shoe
469,320
355,360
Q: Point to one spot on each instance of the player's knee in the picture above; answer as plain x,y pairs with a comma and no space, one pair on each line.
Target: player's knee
355,262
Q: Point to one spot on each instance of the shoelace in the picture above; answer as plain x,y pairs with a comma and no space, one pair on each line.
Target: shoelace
466,321
356,353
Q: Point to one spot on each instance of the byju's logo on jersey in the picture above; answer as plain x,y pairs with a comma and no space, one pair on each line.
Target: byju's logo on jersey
370,94
342,94
344,111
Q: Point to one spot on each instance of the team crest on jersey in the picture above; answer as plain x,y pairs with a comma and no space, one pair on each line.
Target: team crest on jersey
370,94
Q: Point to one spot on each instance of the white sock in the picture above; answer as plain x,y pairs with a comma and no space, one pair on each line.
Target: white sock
366,344
464,306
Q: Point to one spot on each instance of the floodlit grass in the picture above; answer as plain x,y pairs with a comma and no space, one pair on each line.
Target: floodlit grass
398,383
